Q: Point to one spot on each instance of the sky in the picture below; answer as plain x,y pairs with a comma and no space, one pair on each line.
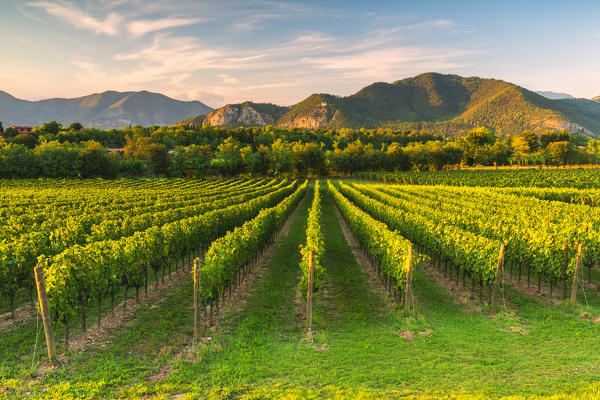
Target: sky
280,52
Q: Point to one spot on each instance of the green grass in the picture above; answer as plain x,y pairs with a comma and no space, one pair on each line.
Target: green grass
261,350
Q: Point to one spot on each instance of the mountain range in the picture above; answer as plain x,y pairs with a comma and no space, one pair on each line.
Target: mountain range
102,110
444,104
447,104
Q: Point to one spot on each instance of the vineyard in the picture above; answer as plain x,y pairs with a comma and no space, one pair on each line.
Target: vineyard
467,284
544,178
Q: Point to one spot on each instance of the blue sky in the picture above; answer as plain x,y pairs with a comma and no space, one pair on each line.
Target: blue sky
225,51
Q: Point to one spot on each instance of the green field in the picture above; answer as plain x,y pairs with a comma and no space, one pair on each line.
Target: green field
451,344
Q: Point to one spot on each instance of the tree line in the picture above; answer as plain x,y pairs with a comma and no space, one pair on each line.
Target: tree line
75,151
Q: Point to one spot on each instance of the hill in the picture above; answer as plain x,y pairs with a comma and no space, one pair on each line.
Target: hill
193,122
554,95
448,104
588,108
103,110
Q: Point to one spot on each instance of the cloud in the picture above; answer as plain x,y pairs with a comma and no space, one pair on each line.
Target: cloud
79,18
143,26
228,79
310,60
282,65
209,98
387,63
168,54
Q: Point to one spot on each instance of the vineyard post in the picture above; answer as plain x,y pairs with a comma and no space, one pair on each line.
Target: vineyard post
311,261
566,268
43,298
576,275
498,270
197,320
408,291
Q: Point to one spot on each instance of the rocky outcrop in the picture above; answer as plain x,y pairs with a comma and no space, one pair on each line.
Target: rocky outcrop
574,127
238,115
317,118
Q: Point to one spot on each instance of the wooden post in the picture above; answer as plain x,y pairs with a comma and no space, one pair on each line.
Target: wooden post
576,275
43,298
408,291
498,270
197,320
311,261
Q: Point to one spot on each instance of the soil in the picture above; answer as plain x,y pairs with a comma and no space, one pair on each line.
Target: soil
23,314
407,335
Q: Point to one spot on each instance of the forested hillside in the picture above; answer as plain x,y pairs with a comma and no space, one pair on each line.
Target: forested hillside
445,104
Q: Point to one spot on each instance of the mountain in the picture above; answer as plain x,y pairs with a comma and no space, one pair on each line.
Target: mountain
588,108
102,110
445,104
554,95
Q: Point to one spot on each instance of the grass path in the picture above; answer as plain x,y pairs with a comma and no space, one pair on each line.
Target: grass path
257,342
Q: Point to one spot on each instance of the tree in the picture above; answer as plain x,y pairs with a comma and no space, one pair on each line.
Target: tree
52,127
259,161
95,161
548,137
192,161
308,159
57,159
281,157
1,128
10,132
26,140
16,161
75,127
558,153
157,156
480,136
228,159
135,146
357,156
531,139
500,153
396,159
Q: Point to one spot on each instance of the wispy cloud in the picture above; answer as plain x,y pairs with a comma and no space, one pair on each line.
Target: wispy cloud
228,79
79,18
143,26
389,62
115,22
168,58
219,63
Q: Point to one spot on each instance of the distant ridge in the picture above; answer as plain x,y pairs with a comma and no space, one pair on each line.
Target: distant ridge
555,95
105,110
447,104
